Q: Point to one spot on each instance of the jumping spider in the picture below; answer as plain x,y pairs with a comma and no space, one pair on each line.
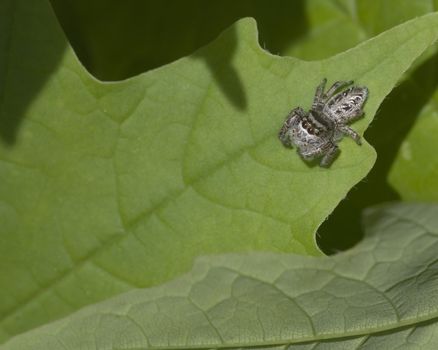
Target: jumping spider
316,133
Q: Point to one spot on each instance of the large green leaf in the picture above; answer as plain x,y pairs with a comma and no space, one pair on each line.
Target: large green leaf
111,186
109,39
388,283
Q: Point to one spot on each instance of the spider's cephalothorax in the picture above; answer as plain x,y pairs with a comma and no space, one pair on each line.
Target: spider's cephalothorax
316,133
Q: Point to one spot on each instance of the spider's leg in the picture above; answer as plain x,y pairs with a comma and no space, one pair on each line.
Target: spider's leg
329,156
335,87
284,134
356,114
317,151
320,89
318,100
350,132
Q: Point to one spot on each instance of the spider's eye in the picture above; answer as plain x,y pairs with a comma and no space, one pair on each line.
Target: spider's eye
310,130
305,124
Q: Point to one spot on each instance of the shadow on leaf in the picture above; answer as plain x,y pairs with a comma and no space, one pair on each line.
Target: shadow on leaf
25,64
115,41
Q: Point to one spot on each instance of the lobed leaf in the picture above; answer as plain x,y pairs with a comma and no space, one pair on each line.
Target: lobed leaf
109,36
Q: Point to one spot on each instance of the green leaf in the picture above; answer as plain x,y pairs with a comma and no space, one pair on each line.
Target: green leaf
387,284
109,39
337,25
321,28
111,186
415,171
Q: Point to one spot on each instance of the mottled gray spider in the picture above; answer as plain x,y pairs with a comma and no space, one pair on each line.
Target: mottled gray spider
316,133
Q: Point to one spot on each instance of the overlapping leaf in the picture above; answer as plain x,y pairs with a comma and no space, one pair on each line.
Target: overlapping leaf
387,284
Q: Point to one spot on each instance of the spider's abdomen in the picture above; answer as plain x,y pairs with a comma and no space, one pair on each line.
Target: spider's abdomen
347,104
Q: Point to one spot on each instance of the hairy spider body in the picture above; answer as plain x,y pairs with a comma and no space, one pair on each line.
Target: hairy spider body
316,133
